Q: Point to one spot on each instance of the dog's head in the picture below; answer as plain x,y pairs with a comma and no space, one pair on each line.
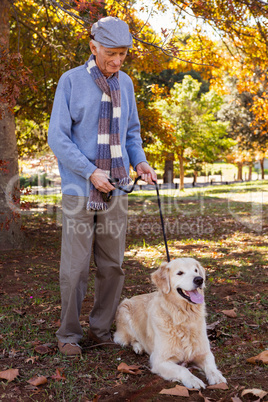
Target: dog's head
185,276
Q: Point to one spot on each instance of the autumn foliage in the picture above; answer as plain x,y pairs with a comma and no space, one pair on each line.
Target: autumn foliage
214,38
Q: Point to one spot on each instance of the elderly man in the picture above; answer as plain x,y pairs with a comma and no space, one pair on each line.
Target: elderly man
94,132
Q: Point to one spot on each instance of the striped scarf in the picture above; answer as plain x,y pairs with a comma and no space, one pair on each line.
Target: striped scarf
109,152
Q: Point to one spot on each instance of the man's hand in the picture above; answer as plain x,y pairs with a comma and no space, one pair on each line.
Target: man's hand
100,181
146,172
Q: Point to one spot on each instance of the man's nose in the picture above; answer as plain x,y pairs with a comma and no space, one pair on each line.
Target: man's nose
117,61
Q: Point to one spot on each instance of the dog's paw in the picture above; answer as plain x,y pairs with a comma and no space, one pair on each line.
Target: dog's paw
193,382
215,377
119,339
138,349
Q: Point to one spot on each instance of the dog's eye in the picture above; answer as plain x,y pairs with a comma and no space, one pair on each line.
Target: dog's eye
196,270
180,273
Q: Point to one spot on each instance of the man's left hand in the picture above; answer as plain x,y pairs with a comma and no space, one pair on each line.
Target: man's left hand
146,172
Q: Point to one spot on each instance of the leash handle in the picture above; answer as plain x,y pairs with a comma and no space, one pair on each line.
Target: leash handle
114,182
162,220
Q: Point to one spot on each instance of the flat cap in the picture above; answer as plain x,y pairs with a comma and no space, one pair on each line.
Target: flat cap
111,32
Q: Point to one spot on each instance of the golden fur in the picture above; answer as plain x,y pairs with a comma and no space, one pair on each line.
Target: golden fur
169,326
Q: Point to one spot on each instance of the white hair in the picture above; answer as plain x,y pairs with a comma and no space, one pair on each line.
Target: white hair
95,43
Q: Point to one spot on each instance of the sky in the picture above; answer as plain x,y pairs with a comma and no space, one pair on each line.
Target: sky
157,21
165,19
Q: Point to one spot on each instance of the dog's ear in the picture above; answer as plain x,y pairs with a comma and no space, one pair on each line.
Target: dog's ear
161,278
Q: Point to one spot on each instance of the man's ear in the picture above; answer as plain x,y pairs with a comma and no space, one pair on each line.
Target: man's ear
161,278
93,48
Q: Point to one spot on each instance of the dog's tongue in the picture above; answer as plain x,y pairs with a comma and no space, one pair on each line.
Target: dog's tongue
196,297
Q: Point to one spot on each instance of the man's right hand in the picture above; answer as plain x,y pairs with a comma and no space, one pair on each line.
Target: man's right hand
100,181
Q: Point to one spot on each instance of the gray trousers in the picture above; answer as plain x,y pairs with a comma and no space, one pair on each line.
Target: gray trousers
80,230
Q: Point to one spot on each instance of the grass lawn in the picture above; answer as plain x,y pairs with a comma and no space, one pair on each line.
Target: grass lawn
224,227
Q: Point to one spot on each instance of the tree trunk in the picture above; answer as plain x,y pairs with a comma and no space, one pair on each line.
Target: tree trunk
262,168
195,174
169,169
239,171
10,223
181,172
250,172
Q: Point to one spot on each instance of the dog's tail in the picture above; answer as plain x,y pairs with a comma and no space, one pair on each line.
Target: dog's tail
122,335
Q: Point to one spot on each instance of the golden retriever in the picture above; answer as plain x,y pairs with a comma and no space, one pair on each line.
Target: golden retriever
170,325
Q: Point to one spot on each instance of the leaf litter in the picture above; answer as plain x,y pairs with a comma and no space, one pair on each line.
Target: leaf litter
233,339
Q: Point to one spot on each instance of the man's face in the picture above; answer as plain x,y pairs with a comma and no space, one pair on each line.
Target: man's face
109,60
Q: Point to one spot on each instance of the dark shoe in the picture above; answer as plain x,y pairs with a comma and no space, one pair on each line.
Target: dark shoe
99,341
69,349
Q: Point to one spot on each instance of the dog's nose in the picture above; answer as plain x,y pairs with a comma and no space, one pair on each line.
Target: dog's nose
198,280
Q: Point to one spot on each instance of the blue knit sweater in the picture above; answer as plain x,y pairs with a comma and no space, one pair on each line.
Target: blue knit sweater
73,128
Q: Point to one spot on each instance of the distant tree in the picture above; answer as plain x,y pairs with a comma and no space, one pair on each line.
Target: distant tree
166,79
196,131
246,113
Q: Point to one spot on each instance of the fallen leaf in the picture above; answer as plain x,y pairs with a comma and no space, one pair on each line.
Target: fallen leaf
42,349
230,313
59,375
37,380
255,391
204,397
12,352
179,390
32,359
36,342
262,357
19,312
124,368
221,385
213,325
9,374
39,322
235,399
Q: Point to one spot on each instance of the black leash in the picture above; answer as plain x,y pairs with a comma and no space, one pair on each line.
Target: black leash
162,220
107,197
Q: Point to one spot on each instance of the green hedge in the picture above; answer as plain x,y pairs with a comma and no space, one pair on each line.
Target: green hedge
35,180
